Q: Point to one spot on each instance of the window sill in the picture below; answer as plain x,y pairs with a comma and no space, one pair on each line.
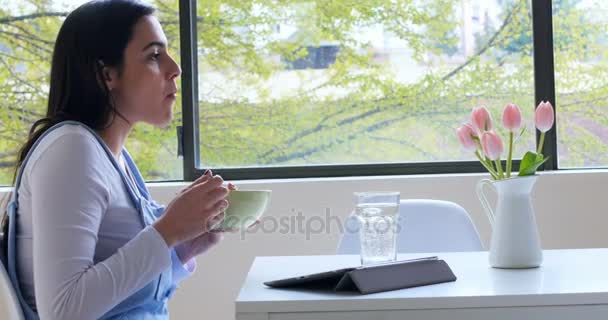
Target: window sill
176,185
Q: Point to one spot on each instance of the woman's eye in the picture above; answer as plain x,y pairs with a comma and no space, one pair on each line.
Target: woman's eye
155,56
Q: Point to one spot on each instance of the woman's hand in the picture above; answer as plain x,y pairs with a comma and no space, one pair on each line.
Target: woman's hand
192,211
201,244
207,239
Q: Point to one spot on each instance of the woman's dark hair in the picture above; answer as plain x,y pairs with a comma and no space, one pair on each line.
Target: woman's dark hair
94,35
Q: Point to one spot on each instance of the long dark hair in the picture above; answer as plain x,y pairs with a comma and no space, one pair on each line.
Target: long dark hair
94,35
91,37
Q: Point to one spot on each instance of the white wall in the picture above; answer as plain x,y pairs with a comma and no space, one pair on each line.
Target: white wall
571,213
570,208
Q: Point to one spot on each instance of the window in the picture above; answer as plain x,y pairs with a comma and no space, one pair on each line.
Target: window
355,83
27,33
581,80
336,88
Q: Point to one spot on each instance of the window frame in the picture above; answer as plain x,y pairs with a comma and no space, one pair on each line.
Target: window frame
544,84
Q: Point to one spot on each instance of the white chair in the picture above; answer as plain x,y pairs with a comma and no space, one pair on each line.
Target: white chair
424,226
9,304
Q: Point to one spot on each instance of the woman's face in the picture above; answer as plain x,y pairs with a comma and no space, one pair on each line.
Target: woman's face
145,89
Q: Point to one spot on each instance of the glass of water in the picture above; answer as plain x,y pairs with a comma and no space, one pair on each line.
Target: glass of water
378,215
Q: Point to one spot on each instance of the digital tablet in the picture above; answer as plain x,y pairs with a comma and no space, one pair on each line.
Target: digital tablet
312,279
332,277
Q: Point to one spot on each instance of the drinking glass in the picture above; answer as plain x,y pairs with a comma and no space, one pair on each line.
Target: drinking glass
378,215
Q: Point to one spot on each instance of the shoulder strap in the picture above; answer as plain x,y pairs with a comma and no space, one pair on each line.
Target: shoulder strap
139,180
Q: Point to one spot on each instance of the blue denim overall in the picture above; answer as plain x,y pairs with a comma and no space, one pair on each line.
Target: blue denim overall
150,302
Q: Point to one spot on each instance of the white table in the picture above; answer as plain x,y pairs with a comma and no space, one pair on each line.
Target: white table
571,284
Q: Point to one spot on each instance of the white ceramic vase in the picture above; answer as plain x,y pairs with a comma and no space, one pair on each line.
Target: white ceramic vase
515,241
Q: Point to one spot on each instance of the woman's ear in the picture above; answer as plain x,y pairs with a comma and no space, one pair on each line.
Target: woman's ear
109,75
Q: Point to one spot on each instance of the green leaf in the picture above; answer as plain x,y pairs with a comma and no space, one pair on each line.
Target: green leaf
530,163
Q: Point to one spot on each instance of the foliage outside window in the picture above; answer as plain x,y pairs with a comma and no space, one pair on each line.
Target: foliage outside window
398,76
27,33
337,82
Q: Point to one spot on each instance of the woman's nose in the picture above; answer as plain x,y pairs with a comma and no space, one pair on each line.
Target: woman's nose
176,71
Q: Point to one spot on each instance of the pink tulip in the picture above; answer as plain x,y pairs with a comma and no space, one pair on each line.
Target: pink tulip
481,120
543,116
465,135
511,117
491,144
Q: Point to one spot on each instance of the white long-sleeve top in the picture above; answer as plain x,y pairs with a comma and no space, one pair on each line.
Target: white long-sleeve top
81,245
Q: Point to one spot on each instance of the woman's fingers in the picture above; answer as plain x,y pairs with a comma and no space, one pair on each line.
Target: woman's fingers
211,184
214,198
206,176
219,217
254,224
220,207
217,210
222,214
237,229
216,214
196,210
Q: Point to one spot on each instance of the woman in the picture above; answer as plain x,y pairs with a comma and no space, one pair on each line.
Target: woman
85,239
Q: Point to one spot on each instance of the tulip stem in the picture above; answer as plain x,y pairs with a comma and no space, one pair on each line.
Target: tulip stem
484,163
491,165
499,167
510,155
541,142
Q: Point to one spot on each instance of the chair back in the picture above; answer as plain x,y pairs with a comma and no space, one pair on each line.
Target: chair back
10,308
425,225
